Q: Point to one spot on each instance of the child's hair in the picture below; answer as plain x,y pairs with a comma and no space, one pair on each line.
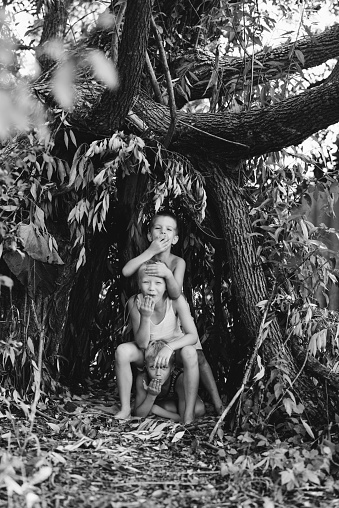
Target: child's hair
153,349
163,213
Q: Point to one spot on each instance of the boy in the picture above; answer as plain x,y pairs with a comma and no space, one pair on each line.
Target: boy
154,316
163,233
160,390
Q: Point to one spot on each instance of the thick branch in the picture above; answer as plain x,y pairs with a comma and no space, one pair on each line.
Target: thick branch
112,107
271,64
286,123
54,27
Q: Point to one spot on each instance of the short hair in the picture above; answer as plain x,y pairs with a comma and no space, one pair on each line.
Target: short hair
163,213
153,349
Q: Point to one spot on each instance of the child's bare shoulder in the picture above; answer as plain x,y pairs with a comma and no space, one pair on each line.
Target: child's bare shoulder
176,261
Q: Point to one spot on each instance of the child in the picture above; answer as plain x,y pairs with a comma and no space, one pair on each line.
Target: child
163,233
154,316
160,390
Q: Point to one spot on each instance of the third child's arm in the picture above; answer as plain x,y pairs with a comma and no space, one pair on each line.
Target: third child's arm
190,337
133,265
164,413
174,280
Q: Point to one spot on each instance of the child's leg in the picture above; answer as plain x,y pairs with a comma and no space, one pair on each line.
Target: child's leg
207,379
189,359
199,408
126,354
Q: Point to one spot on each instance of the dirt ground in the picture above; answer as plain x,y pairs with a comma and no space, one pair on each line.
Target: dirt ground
79,456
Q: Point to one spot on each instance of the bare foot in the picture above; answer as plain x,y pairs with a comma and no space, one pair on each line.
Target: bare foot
188,419
219,410
123,415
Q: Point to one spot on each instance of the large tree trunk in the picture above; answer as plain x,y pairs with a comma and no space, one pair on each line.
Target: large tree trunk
249,285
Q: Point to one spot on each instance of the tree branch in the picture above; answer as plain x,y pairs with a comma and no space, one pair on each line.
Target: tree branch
154,81
268,64
249,133
171,99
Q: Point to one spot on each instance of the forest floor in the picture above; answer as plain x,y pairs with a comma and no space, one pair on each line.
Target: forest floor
78,456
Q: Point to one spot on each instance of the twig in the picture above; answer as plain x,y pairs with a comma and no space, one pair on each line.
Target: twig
115,33
292,383
257,345
212,135
38,375
171,99
214,82
154,81
226,411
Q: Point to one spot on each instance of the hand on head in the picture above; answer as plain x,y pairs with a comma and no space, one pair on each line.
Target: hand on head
158,269
163,357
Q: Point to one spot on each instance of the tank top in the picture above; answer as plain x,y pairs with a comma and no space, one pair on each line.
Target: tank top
169,328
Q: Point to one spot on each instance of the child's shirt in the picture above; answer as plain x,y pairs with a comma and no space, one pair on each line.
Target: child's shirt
169,328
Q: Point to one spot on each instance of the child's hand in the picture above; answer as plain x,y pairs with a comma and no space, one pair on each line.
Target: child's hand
145,305
154,387
158,269
163,357
159,245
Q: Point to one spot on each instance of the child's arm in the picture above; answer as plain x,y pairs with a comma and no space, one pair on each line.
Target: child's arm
180,306
163,413
133,265
140,311
174,280
145,395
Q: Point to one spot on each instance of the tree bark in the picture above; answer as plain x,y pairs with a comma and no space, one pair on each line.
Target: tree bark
266,65
112,107
244,135
54,27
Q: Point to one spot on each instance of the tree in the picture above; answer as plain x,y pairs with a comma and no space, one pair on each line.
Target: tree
117,151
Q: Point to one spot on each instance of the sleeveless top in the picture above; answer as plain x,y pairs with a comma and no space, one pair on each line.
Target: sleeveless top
169,328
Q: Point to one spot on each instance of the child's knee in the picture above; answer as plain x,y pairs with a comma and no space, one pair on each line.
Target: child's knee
124,352
189,355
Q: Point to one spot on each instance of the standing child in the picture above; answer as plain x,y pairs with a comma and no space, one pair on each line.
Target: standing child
155,317
160,390
163,233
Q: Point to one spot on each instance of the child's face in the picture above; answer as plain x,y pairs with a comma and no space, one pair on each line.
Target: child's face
152,285
164,227
160,373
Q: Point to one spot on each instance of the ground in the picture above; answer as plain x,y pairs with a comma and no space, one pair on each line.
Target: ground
77,455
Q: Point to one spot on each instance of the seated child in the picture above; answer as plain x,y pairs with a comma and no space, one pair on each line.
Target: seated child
154,317
160,390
